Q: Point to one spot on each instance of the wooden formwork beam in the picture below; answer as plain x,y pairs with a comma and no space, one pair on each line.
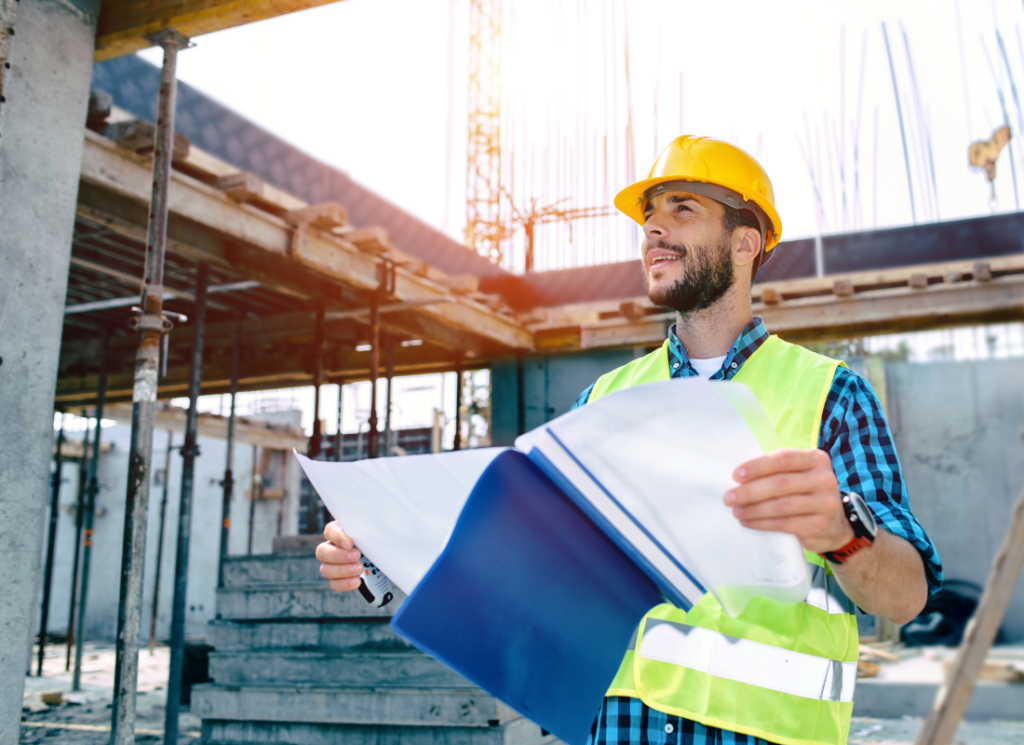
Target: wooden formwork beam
124,24
217,229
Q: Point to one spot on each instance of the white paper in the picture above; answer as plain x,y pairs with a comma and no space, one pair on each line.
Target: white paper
666,453
399,511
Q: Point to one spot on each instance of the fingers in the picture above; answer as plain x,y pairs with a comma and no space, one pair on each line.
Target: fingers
344,585
781,507
341,567
782,460
336,535
328,553
781,485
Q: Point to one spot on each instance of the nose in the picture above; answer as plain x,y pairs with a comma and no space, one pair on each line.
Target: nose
653,227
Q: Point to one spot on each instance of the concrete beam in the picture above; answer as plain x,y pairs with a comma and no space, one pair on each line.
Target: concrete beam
123,24
46,92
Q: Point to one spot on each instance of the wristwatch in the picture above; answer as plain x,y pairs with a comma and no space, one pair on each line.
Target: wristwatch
862,520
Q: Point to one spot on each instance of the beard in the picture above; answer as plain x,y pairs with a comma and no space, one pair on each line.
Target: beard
708,277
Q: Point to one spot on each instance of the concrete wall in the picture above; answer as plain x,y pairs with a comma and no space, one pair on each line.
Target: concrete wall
958,426
550,386
104,587
959,431
46,92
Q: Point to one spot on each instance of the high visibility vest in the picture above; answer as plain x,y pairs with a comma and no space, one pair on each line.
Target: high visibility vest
785,673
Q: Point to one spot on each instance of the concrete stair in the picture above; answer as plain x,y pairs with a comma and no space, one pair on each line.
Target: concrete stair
296,664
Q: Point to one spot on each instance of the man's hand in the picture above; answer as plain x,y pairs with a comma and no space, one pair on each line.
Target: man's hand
340,559
792,491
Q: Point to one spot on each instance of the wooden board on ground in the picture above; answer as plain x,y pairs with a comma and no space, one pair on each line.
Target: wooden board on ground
955,694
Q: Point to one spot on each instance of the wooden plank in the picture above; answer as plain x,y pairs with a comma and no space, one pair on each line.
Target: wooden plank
328,257
897,310
123,24
923,274
955,694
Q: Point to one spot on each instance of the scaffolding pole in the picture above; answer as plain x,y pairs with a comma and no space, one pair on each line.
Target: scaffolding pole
316,438
229,480
151,325
89,515
339,438
457,444
160,542
371,451
389,373
189,453
50,546
83,467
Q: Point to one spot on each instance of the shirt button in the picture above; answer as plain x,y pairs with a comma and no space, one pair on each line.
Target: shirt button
675,365
733,365
669,729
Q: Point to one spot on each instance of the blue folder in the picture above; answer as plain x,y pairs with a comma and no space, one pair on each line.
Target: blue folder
530,600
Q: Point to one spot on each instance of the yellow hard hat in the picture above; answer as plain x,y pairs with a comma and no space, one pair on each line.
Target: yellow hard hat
714,169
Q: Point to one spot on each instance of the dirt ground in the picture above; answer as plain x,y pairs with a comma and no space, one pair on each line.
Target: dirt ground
83,718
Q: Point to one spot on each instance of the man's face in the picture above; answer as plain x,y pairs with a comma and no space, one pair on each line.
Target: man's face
687,255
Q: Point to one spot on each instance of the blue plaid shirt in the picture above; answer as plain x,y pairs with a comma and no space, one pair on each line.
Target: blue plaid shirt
854,432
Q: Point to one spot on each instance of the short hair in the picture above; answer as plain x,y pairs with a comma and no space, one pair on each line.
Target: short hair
735,218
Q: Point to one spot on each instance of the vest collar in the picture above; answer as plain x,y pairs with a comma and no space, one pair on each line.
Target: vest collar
750,338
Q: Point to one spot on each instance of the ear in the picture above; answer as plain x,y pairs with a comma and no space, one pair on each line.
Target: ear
746,245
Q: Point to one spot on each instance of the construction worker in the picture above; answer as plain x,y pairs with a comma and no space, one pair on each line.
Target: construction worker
776,673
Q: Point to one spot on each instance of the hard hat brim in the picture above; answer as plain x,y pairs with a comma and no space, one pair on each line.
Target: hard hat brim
632,201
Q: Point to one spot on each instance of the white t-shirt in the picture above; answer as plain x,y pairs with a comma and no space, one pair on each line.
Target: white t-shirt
707,368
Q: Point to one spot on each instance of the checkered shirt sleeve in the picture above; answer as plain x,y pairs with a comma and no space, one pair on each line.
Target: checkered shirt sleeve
856,436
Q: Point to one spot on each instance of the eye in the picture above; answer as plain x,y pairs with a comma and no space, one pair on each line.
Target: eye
685,207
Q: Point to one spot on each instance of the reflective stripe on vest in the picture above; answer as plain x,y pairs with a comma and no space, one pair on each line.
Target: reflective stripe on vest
785,673
742,660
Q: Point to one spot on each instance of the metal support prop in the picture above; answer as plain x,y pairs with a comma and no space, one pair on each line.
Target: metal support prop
253,496
90,515
160,542
339,438
389,373
520,395
50,546
189,451
374,369
83,467
151,327
458,405
318,380
229,479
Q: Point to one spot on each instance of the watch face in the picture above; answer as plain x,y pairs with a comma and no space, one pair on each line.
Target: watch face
867,518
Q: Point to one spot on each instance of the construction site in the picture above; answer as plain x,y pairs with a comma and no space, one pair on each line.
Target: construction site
188,298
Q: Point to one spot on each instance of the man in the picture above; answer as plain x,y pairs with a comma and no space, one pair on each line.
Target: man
777,673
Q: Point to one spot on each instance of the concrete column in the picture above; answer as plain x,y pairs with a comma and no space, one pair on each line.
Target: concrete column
42,118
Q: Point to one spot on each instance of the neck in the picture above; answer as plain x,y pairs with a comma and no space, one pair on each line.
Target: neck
711,332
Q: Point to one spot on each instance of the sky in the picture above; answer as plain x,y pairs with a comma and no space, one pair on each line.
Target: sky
378,88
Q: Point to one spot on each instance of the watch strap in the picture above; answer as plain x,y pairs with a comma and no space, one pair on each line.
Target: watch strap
840,555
